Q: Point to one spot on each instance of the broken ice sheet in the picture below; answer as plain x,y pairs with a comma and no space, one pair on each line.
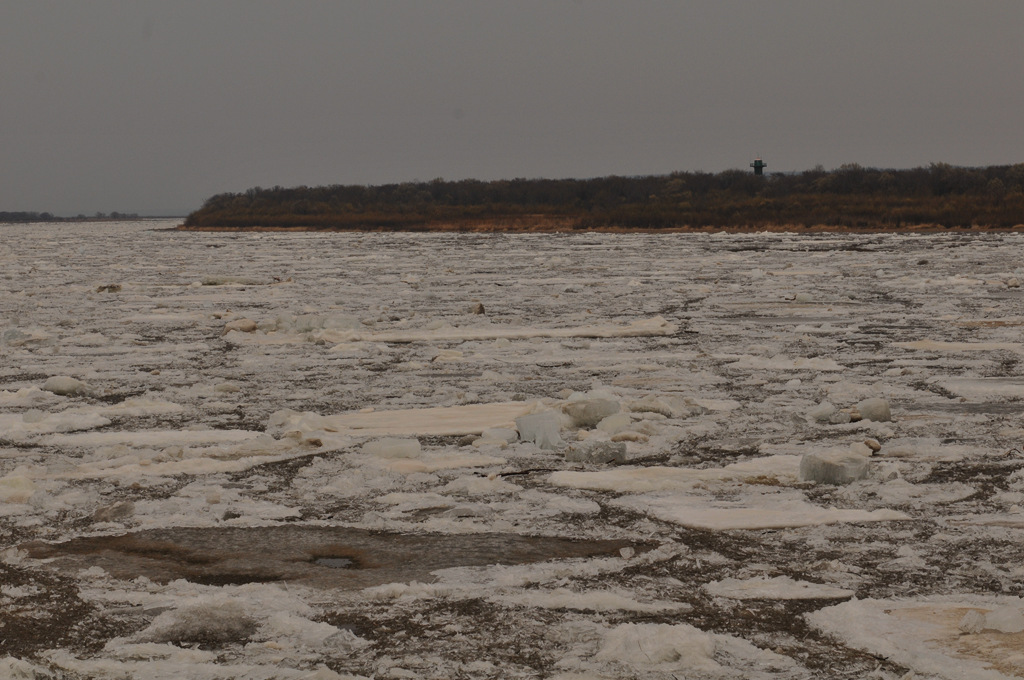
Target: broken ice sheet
925,635
669,650
436,421
778,469
766,327
656,326
24,426
755,510
945,346
592,600
777,588
150,438
984,388
27,397
268,620
782,363
153,453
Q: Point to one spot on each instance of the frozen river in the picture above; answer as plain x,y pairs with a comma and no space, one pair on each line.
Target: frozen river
268,455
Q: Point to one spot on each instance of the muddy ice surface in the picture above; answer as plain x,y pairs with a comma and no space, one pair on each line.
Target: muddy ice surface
510,456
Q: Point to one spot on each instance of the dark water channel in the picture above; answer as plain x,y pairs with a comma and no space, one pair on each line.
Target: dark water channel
324,557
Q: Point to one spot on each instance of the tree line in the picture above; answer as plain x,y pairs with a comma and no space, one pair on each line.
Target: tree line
18,217
850,196
11,217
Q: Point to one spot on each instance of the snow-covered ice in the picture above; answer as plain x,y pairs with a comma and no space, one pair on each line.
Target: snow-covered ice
778,588
929,634
321,456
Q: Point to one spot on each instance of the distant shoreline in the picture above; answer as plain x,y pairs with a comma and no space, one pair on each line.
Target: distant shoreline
91,220
549,227
848,199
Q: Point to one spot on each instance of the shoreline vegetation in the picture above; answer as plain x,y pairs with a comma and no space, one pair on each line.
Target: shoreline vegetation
29,217
849,198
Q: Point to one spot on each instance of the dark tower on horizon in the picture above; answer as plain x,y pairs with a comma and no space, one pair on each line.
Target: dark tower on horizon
758,165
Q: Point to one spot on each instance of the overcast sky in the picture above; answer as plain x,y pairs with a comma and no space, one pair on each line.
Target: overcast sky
153,106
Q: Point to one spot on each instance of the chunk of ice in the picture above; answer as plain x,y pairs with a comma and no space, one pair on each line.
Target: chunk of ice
214,618
876,409
65,386
590,412
651,644
240,325
778,588
114,512
596,452
393,447
973,622
15,337
540,428
505,434
11,667
1005,620
668,407
833,467
861,449
615,423
16,488
822,412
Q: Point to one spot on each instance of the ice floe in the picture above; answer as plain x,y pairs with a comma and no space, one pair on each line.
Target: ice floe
926,635
761,511
439,421
776,588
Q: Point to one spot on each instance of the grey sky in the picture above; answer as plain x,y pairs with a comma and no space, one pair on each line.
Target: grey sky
151,107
